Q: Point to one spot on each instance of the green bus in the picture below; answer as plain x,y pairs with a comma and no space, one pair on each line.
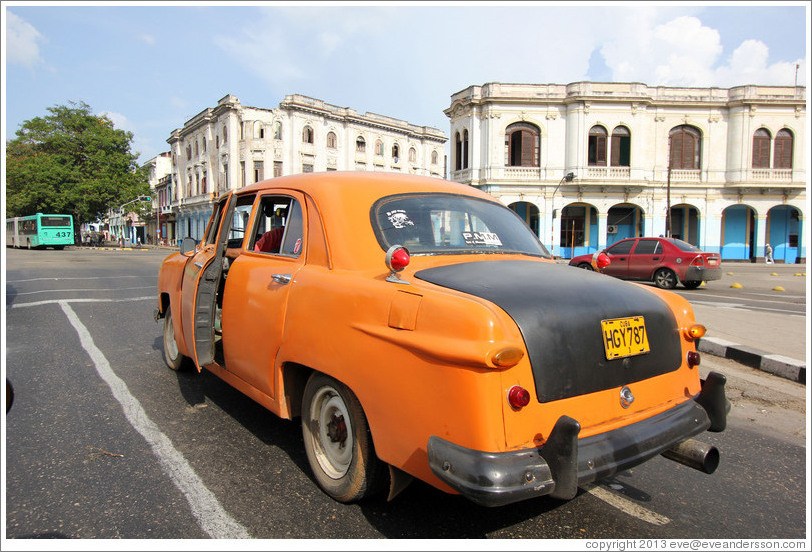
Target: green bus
40,231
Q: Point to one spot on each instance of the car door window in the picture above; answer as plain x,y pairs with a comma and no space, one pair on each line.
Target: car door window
647,247
279,226
620,248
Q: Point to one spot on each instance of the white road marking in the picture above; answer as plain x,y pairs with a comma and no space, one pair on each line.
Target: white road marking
208,512
87,300
627,506
72,278
89,289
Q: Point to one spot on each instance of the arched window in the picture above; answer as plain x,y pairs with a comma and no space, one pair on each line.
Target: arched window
395,153
360,144
457,152
761,149
434,158
332,141
465,149
307,135
225,134
685,148
259,130
203,143
782,159
412,155
596,148
378,147
522,145
277,130
621,147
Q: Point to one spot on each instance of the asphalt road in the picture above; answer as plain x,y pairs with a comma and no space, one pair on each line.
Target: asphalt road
103,441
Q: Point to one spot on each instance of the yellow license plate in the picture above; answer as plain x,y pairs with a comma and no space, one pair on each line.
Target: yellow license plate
624,337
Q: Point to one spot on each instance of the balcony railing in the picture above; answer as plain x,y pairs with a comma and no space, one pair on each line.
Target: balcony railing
783,175
685,175
609,173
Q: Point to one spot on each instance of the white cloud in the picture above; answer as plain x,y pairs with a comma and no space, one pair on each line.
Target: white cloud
120,122
685,52
148,39
22,41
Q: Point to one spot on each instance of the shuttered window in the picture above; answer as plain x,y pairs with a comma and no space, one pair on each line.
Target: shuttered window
783,150
522,145
597,146
761,149
685,152
621,147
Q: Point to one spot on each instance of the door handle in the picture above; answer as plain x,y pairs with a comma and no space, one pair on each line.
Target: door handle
656,259
198,264
281,278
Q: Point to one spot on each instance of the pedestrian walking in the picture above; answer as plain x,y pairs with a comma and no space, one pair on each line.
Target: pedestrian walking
769,254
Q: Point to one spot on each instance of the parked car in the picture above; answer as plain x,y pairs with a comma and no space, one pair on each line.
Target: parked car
664,261
419,329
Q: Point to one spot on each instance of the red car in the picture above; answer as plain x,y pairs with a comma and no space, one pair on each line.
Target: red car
664,261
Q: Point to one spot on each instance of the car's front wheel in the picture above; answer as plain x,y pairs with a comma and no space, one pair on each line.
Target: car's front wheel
692,284
172,356
665,278
338,442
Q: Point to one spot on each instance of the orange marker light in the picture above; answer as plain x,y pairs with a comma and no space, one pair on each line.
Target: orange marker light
695,332
507,357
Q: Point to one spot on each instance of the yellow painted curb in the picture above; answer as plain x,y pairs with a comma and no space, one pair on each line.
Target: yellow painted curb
702,284
736,285
730,274
798,274
778,288
774,274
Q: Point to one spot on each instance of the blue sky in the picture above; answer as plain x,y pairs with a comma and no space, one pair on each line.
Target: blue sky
151,67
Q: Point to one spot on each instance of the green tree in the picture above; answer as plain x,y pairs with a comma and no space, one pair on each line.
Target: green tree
71,161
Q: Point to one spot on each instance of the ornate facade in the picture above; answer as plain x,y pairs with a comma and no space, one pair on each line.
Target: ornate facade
230,146
589,163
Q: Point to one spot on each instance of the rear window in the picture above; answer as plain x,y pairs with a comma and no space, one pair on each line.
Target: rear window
685,246
451,224
54,221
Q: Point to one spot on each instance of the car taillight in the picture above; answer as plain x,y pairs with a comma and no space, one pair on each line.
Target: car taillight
397,258
518,397
693,359
698,261
600,261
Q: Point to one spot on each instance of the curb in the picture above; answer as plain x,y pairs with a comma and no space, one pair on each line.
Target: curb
788,368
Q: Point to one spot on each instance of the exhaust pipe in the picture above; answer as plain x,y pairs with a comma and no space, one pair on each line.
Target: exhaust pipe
694,454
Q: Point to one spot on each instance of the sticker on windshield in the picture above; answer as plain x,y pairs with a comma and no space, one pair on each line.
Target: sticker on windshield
481,238
399,218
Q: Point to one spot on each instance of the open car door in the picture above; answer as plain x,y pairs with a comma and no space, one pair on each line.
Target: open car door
201,282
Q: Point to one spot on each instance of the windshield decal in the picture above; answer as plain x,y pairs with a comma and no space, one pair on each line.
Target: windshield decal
481,238
399,218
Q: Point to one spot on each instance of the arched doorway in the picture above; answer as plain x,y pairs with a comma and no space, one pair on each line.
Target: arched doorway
529,213
579,230
783,233
623,221
738,232
685,223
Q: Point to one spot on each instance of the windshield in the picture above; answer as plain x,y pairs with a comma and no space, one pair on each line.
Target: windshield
451,224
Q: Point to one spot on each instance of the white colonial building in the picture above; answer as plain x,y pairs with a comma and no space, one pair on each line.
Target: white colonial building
588,163
230,146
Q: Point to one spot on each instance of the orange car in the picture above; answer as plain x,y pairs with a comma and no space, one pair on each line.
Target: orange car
420,329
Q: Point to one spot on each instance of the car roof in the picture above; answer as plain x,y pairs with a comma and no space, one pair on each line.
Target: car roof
344,200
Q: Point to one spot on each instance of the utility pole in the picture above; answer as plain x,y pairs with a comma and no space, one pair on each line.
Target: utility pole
668,194
569,177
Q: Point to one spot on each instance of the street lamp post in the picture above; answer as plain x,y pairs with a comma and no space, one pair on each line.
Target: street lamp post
569,177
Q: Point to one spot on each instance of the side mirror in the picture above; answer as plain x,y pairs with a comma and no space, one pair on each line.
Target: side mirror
187,246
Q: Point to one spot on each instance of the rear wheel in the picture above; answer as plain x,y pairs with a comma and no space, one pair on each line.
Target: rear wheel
338,442
665,278
172,356
586,266
692,284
